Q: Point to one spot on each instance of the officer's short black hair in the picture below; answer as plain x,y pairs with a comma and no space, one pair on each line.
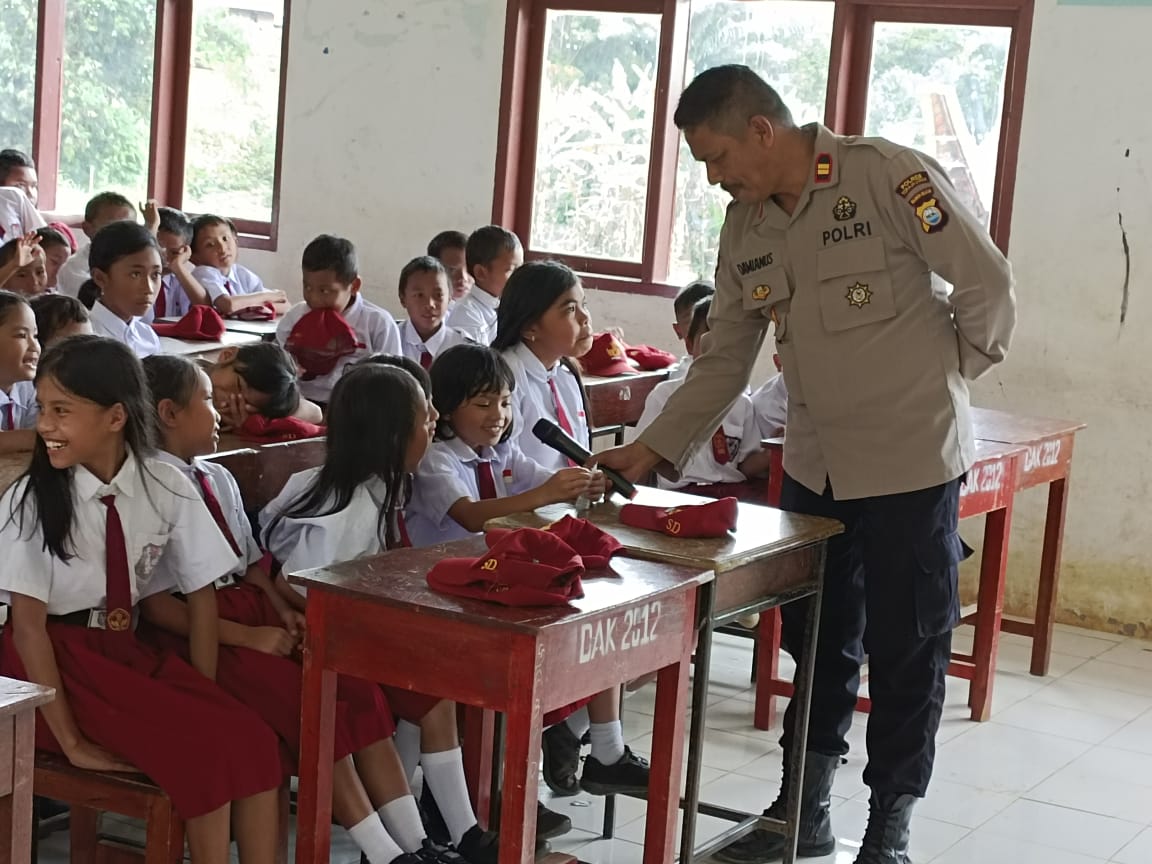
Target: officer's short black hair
725,98
691,294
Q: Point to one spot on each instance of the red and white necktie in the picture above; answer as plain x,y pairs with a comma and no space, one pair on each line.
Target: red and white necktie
561,414
425,359
9,417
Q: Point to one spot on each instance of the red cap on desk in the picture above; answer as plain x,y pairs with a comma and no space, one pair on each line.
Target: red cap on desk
526,567
606,357
200,324
714,519
270,431
595,547
320,340
263,312
650,359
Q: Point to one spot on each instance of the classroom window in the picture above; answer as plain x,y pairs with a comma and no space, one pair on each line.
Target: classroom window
106,100
940,88
233,94
17,72
175,99
788,43
591,168
595,122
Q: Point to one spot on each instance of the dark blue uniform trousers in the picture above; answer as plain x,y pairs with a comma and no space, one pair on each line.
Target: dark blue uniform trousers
890,590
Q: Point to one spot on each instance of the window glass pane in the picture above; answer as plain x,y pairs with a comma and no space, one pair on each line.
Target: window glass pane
233,106
17,72
595,139
788,43
940,88
106,105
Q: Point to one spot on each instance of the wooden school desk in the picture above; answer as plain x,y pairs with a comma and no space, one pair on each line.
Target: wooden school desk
12,466
618,401
376,618
261,470
18,703
771,559
207,350
1048,459
989,492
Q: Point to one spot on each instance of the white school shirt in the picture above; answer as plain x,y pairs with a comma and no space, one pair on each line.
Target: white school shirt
474,315
170,538
448,473
443,339
176,302
770,404
231,505
136,334
22,398
237,281
740,430
680,371
18,216
532,400
74,272
376,333
303,543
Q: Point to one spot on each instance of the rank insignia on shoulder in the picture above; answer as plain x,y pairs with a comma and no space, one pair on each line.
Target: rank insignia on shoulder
859,295
761,292
824,168
845,209
909,183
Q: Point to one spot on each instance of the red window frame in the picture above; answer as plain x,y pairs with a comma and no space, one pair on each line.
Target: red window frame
849,67
170,88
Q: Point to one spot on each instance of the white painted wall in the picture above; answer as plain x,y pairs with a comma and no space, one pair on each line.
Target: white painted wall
391,136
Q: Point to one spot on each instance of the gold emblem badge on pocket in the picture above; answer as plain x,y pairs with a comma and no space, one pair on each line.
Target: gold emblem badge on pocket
761,292
859,295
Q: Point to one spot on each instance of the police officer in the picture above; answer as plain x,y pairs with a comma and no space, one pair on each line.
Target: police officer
838,242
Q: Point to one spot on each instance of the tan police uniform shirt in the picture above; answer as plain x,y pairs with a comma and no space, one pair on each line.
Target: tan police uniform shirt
876,351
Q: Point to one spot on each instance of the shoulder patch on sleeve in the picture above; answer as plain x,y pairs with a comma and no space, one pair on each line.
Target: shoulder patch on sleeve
910,183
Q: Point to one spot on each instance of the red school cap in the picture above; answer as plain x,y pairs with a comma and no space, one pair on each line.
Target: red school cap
594,546
269,431
526,567
714,519
320,340
649,358
606,357
201,323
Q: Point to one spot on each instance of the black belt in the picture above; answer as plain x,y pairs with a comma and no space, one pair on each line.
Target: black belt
77,619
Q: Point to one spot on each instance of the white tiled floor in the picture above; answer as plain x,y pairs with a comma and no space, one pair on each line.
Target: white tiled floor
1061,774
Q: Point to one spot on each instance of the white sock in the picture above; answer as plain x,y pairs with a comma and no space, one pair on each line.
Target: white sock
444,774
407,742
373,840
402,819
607,742
578,722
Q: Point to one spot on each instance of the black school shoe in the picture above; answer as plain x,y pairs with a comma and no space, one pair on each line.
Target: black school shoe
434,853
478,846
550,824
561,760
629,776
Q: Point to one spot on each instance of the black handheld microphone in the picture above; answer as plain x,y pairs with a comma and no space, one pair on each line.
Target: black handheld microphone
560,441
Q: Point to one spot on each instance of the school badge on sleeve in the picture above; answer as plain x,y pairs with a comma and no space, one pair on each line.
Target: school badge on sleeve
932,216
859,295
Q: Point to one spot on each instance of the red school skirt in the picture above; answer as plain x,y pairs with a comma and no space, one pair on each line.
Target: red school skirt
273,686
197,743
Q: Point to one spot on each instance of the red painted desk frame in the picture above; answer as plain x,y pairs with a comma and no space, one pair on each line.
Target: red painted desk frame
520,661
18,703
989,492
1048,459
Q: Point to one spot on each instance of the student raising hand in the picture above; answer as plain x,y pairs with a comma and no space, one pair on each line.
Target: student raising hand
151,211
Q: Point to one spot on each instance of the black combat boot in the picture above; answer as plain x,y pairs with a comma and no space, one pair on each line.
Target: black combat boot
886,838
816,838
